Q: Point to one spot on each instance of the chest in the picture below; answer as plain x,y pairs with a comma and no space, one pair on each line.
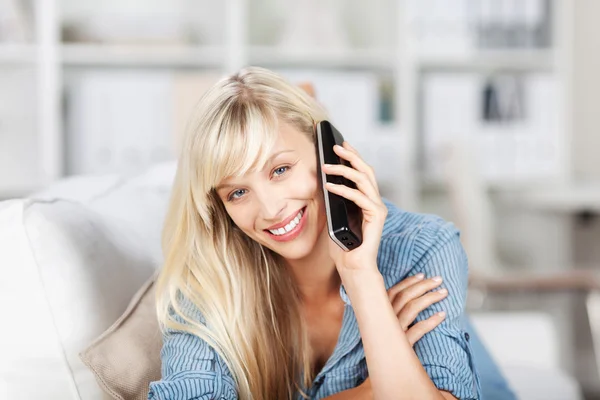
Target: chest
324,325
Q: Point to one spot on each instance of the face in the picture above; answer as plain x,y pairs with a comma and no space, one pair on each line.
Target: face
280,206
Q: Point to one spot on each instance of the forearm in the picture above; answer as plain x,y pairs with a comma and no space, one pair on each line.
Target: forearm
362,392
394,369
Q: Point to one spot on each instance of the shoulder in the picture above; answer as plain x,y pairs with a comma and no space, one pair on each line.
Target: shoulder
415,225
410,238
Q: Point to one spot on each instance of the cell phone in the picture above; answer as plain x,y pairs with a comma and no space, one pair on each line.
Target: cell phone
344,217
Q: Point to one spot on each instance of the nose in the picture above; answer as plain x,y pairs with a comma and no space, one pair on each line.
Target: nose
272,206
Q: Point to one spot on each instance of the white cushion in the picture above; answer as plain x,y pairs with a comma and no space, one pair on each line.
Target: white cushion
525,345
71,258
535,383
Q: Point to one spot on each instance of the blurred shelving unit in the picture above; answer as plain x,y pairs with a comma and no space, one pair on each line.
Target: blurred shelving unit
513,60
349,59
17,54
141,56
30,140
245,35
551,60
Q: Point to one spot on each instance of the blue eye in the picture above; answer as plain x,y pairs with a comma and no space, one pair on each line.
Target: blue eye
236,194
281,170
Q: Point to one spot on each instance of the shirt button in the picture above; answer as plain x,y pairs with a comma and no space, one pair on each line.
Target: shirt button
467,336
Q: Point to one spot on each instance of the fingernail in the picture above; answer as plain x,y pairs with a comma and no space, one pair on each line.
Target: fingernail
326,165
441,314
443,291
437,279
420,276
339,147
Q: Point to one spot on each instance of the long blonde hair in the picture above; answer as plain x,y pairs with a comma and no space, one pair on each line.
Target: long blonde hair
216,282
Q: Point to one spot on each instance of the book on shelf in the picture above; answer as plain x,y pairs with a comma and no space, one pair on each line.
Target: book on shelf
512,123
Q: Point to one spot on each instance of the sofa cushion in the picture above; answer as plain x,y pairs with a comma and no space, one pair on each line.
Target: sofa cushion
32,357
126,358
70,266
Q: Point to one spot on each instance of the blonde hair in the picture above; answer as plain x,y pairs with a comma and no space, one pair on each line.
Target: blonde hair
248,303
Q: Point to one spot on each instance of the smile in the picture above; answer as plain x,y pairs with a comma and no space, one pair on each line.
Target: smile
291,230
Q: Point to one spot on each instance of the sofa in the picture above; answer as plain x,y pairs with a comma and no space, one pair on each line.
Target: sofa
73,256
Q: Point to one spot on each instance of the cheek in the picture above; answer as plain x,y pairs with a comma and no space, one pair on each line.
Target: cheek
242,219
307,185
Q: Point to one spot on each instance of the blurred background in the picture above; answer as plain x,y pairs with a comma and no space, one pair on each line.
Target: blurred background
481,111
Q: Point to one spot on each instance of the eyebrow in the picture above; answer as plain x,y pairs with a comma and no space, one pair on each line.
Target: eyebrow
229,185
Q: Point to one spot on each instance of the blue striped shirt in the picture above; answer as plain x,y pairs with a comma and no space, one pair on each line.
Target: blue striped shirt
410,243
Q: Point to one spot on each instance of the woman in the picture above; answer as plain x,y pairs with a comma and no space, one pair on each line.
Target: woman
257,302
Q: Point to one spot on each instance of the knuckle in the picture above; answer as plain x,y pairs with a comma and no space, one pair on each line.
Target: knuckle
403,298
411,308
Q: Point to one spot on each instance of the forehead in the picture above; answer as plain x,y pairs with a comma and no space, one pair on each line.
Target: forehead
290,141
288,135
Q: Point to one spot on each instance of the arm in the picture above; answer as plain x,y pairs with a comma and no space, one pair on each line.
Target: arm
446,352
362,392
408,298
394,368
393,365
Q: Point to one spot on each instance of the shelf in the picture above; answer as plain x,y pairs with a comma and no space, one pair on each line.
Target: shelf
434,184
522,60
17,53
141,56
270,56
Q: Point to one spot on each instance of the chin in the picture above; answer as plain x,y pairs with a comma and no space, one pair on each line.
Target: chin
304,248
294,250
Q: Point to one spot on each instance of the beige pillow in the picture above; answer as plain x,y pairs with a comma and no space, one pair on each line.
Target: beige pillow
126,358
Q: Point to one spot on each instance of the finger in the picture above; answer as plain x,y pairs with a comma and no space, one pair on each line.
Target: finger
403,284
418,330
408,314
348,146
357,162
363,183
355,195
414,291
360,163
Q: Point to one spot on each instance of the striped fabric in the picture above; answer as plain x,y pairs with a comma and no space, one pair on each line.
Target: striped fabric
411,243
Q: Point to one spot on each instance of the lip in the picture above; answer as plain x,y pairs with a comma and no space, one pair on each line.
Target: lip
285,221
294,232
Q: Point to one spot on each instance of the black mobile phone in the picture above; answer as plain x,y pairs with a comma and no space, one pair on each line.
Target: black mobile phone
344,217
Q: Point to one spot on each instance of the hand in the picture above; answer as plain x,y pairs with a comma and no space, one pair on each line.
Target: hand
411,296
367,197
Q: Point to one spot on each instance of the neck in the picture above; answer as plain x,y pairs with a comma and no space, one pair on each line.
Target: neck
316,275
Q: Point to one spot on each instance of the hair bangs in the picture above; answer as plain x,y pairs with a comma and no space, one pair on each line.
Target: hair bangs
243,143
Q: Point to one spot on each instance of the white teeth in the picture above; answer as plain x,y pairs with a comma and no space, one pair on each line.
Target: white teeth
288,227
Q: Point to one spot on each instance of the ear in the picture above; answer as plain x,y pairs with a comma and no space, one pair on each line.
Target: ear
308,88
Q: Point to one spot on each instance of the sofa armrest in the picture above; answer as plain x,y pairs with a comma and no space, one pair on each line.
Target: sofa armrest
581,280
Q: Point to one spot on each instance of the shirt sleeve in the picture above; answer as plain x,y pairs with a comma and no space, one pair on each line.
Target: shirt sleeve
445,352
191,370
